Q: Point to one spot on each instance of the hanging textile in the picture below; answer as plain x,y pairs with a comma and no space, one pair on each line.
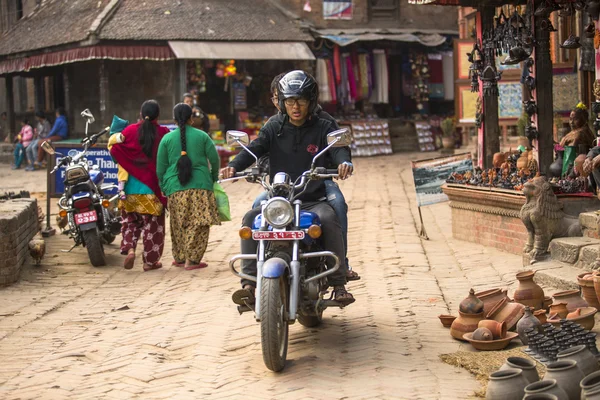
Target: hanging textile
343,86
364,75
331,79
436,76
356,70
381,80
448,66
351,78
337,64
323,81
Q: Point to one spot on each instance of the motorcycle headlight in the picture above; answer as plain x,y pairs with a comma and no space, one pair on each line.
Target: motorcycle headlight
278,212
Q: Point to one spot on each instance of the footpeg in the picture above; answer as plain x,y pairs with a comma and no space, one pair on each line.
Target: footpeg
243,309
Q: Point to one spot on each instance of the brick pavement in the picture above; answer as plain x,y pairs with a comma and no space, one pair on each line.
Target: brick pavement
68,330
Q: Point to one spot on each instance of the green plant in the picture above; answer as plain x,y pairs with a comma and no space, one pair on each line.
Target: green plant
522,124
448,126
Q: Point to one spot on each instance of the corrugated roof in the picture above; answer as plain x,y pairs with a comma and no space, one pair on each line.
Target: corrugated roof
57,22
240,20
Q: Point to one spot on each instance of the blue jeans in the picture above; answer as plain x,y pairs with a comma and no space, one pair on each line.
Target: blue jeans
336,200
32,151
19,154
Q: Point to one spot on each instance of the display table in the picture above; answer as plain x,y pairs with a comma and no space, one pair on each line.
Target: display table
369,137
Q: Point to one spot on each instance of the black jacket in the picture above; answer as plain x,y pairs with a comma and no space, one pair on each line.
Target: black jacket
291,150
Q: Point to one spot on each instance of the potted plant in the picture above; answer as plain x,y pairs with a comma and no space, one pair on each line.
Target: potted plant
448,126
521,130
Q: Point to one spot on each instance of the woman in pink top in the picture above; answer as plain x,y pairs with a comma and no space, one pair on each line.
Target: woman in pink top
24,139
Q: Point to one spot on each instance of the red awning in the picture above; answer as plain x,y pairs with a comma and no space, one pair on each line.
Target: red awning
152,53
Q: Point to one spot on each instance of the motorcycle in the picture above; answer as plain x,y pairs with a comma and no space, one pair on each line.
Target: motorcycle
291,278
91,215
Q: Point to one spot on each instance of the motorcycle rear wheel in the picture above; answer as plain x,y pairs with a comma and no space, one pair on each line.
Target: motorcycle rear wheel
274,326
94,247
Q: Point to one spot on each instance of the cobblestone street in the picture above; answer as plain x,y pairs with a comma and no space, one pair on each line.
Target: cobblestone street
69,330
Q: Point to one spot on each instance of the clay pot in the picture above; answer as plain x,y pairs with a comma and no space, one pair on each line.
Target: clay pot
482,334
555,169
586,283
528,292
508,384
567,374
499,159
560,309
528,321
465,323
572,298
523,160
507,312
574,314
471,304
547,302
547,386
586,318
589,384
490,298
540,396
526,365
596,280
498,329
585,359
593,393
541,316
446,320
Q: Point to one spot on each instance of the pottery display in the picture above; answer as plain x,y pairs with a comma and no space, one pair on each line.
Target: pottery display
508,384
490,298
593,393
586,282
527,321
589,384
498,329
528,292
572,298
585,359
465,323
487,345
560,309
555,169
507,312
482,334
548,301
567,375
471,304
574,314
446,320
586,318
596,280
547,386
540,396
541,316
524,364
523,160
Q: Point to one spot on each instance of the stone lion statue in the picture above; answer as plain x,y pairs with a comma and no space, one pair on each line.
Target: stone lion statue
544,218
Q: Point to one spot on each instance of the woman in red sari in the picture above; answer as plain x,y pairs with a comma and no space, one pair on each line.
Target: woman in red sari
143,209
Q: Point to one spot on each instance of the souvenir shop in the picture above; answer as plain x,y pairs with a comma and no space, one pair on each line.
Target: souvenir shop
392,94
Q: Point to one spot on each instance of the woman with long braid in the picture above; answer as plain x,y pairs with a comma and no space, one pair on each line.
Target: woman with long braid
187,167
143,207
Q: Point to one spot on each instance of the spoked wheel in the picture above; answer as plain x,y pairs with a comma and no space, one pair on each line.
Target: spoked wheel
274,325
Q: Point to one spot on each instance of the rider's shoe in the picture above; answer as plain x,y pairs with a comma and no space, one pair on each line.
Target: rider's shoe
243,296
351,275
342,296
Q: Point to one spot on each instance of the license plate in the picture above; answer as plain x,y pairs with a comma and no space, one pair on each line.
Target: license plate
289,235
85,217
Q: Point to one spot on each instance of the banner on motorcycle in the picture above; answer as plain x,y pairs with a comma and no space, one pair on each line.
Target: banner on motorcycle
97,155
431,174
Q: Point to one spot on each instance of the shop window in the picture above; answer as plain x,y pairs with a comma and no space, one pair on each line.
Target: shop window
384,10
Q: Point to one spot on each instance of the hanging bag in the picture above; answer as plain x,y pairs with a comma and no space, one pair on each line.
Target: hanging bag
222,202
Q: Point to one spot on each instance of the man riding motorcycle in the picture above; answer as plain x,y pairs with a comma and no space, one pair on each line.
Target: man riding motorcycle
291,144
335,197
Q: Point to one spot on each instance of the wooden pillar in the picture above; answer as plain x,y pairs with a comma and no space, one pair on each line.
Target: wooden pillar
40,93
543,96
10,106
104,93
491,132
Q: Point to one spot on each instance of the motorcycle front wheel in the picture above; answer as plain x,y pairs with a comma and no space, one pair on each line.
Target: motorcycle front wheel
274,325
94,247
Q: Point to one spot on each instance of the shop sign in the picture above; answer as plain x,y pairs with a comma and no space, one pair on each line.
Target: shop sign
337,9
430,175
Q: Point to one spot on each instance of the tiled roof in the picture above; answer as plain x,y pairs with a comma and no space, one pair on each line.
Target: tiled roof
57,22
60,22
238,20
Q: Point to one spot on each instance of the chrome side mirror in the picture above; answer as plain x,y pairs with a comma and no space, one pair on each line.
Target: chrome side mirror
339,138
89,117
235,138
48,148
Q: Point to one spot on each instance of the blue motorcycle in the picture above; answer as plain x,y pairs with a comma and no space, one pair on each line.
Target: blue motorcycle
291,278
91,214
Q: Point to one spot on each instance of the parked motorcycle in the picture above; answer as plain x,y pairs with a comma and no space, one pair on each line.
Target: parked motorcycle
91,214
292,273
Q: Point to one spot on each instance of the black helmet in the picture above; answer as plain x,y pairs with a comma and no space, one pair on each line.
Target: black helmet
298,84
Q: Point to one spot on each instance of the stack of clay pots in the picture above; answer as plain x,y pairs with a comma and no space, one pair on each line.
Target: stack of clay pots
589,282
574,376
470,312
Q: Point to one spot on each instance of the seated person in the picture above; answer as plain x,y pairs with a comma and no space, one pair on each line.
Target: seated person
580,130
291,145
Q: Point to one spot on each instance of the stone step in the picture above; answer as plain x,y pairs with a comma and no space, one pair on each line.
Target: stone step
556,274
579,251
590,224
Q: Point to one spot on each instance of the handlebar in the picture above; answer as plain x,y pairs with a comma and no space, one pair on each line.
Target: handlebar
87,142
